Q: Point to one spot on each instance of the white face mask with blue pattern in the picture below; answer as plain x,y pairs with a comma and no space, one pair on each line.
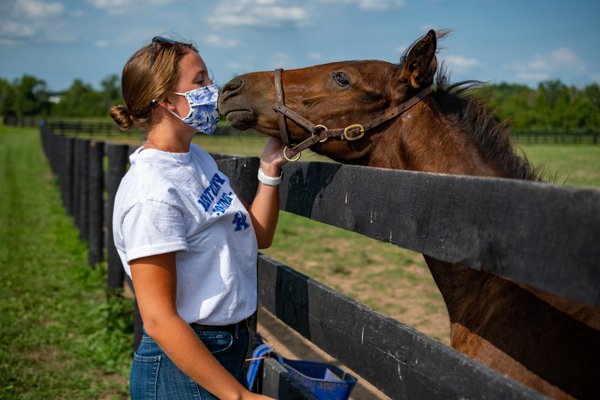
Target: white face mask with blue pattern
203,115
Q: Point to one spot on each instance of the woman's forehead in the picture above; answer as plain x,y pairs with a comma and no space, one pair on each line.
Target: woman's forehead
192,64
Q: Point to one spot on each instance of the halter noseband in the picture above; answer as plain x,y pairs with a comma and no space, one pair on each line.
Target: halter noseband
320,133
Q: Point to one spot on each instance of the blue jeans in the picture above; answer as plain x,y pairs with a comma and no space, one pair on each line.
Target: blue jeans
154,376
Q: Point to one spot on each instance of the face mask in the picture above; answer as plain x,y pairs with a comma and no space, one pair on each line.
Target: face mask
203,115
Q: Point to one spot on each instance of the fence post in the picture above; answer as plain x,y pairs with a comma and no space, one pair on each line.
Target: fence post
96,203
81,191
68,167
117,165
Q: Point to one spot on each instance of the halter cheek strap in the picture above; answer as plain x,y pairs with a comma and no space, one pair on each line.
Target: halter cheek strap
285,138
320,133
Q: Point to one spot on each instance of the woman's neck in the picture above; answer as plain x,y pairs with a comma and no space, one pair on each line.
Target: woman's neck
169,138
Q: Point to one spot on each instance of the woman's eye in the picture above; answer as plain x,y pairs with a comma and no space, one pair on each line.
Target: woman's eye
341,79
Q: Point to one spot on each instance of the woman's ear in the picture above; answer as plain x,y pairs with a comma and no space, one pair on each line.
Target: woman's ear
166,103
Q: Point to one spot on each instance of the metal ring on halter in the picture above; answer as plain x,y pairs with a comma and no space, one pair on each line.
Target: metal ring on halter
324,128
296,158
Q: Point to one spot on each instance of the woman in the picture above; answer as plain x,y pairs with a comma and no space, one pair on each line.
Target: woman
185,238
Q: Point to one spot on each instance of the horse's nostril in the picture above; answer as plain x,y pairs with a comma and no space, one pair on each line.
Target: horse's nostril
233,87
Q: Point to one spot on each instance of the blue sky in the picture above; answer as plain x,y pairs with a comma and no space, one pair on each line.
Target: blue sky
524,42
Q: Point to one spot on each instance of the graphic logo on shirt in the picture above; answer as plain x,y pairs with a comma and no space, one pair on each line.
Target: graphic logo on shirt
239,220
209,196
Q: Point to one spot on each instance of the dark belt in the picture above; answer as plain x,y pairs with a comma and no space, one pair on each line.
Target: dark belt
245,323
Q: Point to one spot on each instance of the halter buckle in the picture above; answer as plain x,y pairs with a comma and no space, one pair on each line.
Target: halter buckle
352,138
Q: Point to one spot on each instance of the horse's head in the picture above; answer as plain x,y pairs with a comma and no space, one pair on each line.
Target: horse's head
335,95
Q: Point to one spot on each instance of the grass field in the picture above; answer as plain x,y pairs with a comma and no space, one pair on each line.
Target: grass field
60,336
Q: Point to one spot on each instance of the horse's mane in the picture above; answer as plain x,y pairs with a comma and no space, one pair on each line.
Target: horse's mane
473,116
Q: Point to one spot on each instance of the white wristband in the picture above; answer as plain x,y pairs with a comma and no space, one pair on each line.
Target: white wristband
268,180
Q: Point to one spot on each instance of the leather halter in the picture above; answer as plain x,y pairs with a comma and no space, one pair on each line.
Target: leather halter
320,133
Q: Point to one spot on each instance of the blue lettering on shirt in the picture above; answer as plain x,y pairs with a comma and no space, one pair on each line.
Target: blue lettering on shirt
208,195
223,203
239,220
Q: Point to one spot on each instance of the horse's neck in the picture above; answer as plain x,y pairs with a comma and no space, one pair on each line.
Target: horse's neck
461,287
422,139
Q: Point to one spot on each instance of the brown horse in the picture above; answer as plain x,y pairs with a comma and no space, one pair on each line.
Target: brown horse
549,343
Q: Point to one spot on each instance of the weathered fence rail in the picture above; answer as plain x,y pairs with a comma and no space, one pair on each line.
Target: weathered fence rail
538,234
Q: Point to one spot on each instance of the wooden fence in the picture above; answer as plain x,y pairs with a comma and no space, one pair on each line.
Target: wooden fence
559,225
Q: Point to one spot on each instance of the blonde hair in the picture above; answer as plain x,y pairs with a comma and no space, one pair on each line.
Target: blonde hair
148,76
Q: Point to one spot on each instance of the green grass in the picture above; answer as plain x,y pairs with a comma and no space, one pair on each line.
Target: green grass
61,337
575,165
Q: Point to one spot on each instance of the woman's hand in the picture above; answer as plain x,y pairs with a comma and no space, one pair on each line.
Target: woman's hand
272,158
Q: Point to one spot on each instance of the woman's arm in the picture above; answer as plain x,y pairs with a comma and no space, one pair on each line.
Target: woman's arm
154,280
264,210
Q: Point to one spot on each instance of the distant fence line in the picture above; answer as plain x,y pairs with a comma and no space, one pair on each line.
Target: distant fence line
91,128
532,137
110,128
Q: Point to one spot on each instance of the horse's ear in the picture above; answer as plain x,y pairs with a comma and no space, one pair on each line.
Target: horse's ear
420,63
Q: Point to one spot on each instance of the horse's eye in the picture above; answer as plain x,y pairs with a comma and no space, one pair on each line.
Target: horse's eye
340,78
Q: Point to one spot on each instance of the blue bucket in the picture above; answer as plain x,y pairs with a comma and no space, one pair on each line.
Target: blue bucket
324,380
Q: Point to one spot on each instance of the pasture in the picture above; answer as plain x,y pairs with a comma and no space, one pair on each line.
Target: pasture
61,337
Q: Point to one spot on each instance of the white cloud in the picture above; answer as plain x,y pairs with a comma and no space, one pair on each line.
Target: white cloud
371,5
259,13
315,56
544,66
380,5
238,66
123,6
24,21
460,63
281,13
101,43
34,9
218,41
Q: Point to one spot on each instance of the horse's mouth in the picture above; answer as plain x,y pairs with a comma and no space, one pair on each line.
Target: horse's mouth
241,119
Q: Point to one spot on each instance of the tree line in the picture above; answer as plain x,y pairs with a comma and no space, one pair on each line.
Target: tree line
551,107
29,96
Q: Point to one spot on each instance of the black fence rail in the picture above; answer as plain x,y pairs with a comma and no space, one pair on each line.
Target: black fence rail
560,225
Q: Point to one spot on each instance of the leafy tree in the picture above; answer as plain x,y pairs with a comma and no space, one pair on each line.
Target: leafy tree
80,100
111,92
31,96
7,96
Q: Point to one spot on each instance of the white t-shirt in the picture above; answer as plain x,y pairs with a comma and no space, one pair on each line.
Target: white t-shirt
181,202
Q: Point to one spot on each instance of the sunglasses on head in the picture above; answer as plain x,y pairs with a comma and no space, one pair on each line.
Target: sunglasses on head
162,41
